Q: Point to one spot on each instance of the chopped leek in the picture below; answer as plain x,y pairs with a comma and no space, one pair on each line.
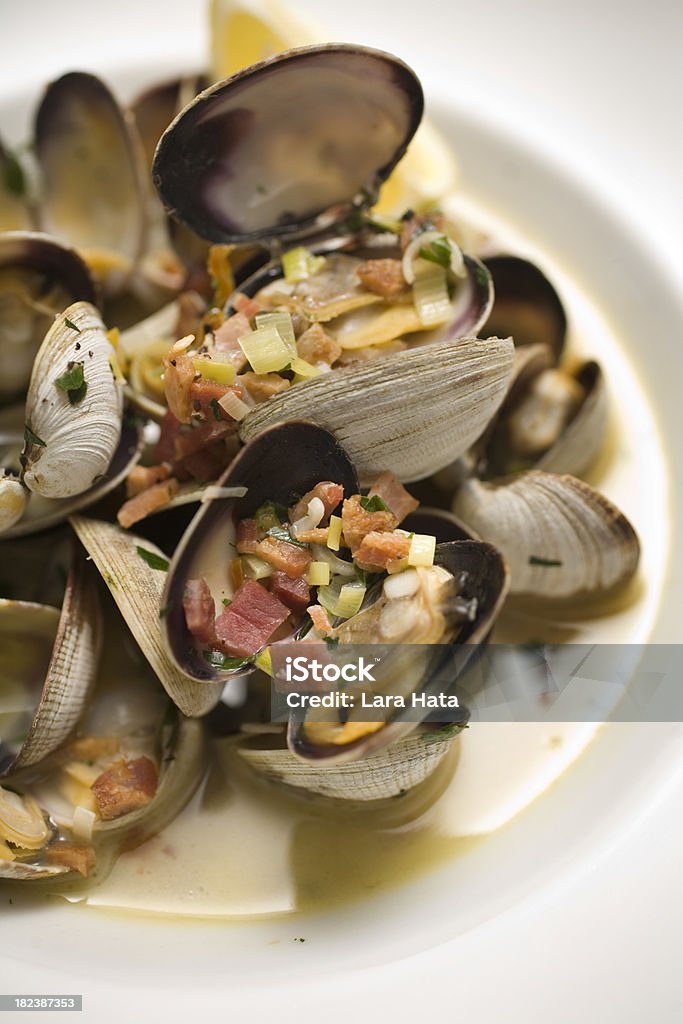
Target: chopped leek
282,322
265,350
264,661
220,373
351,598
318,574
300,263
303,370
430,294
234,406
255,568
269,516
334,533
422,548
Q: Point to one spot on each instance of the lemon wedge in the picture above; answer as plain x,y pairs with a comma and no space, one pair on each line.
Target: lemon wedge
246,31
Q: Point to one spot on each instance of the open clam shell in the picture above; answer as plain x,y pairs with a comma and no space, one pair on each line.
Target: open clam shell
323,126
411,413
39,278
386,773
93,176
50,656
560,536
485,579
526,304
287,459
139,590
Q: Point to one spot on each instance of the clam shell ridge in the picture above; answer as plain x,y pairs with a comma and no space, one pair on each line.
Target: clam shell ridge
287,459
560,536
488,581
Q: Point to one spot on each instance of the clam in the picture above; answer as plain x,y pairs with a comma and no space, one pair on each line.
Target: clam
553,418
526,304
285,459
73,408
560,536
92,171
39,278
49,660
134,570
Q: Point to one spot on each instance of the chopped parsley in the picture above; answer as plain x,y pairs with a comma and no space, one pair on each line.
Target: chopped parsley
439,251
72,325
32,438
549,562
216,409
73,382
153,560
13,178
219,660
227,601
280,533
374,504
444,733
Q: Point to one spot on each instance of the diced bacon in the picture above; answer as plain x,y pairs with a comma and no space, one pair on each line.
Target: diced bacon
383,277
190,309
90,748
285,557
142,505
414,223
329,493
125,787
394,495
378,550
248,537
320,618
225,339
262,386
200,609
205,395
142,477
295,593
357,522
206,464
317,536
179,374
317,346
201,435
78,857
243,304
248,623
165,446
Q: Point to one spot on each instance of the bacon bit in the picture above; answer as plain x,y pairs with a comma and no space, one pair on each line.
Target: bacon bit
316,346
377,550
76,856
357,522
225,339
206,464
142,477
179,374
201,435
320,619
165,446
203,392
190,310
317,536
237,573
262,386
413,224
284,556
243,304
248,536
200,609
250,620
295,593
394,495
125,787
383,277
329,493
90,748
142,505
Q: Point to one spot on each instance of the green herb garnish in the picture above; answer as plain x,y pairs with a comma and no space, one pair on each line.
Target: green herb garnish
280,533
72,325
32,438
550,562
219,660
73,382
482,275
227,601
216,409
439,251
444,733
153,560
331,641
374,504
163,612
269,516
14,178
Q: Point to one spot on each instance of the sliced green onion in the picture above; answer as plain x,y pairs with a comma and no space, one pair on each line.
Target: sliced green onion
430,294
434,247
265,350
300,263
